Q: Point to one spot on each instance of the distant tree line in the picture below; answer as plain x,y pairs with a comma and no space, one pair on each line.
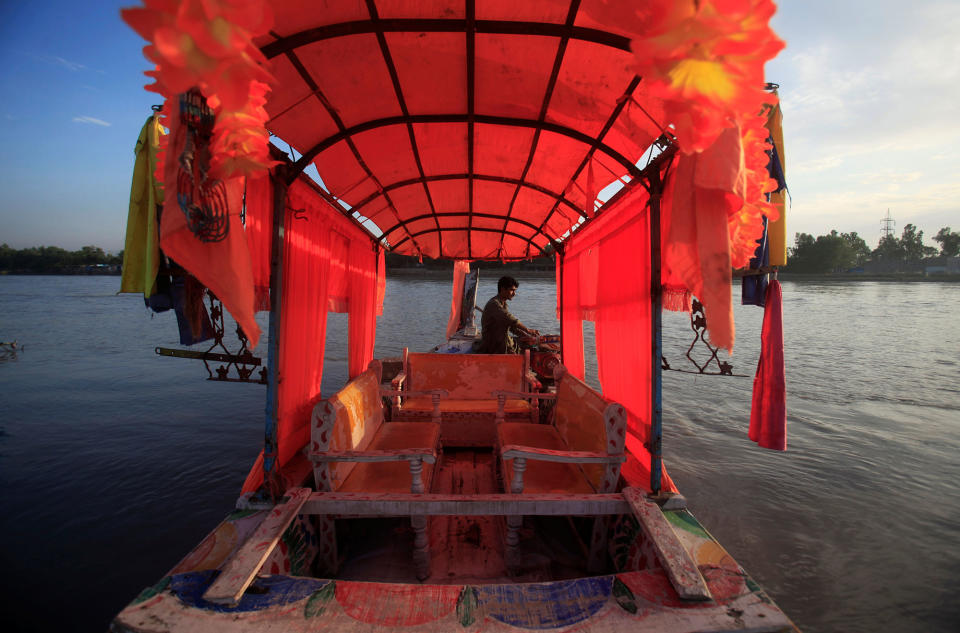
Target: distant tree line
53,259
394,261
838,252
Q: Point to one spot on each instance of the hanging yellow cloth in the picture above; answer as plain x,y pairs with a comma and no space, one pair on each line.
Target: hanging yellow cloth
777,231
141,250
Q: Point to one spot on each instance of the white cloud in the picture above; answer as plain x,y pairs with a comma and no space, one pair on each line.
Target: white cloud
90,119
66,63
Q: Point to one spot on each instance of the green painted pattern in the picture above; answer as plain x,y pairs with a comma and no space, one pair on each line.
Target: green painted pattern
467,606
236,515
318,601
150,592
686,522
624,597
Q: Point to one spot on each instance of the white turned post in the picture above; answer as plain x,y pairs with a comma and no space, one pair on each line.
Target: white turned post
519,467
416,476
435,399
421,549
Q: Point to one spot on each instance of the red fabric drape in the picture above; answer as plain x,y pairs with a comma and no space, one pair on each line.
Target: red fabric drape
303,315
259,230
606,279
224,266
571,314
381,279
328,263
768,413
460,269
363,309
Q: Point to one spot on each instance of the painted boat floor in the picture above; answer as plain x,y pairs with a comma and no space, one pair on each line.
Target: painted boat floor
464,549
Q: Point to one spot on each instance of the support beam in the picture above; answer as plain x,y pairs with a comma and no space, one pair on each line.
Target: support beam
241,568
381,504
682,571
271,469
655,445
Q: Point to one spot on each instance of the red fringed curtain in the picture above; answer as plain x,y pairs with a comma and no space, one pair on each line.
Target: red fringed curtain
259,229
606,279
364,292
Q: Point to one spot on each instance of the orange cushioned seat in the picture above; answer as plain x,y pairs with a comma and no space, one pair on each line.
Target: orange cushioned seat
542,476
393,477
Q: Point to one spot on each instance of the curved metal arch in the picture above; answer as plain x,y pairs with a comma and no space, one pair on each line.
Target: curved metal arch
558,197
462,214
411,236
288,43
556,128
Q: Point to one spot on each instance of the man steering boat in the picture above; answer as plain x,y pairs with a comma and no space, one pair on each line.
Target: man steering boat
497,322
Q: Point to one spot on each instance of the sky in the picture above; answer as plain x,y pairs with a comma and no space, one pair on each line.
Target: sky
869,91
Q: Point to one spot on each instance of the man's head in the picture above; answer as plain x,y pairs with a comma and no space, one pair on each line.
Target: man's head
507,287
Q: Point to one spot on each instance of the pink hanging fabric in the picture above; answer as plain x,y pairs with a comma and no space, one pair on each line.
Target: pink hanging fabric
259,230
364,287
698,201
768,413
460,269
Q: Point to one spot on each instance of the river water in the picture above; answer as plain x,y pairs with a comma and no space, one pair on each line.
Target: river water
114,462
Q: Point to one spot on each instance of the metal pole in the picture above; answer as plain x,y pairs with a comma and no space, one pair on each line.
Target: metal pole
563,345
271,474
656,303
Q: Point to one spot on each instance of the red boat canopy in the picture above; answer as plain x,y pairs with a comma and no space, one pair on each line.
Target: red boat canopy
479,134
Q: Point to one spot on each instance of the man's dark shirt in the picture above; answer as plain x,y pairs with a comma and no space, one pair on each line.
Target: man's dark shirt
495,323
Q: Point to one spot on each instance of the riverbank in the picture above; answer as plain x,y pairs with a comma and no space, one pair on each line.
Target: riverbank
848,277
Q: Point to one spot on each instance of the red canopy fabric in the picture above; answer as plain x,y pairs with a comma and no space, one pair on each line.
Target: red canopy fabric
472,142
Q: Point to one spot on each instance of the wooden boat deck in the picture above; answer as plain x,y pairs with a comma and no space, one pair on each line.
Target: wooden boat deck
464,549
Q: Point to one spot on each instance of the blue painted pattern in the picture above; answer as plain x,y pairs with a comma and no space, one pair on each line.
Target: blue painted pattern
545,606
265,592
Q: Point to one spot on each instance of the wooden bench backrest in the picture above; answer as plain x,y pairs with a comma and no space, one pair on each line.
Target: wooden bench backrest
586,421
465,376
348,420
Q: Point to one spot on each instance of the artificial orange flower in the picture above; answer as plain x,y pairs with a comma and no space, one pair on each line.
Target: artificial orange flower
705,59
208,45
